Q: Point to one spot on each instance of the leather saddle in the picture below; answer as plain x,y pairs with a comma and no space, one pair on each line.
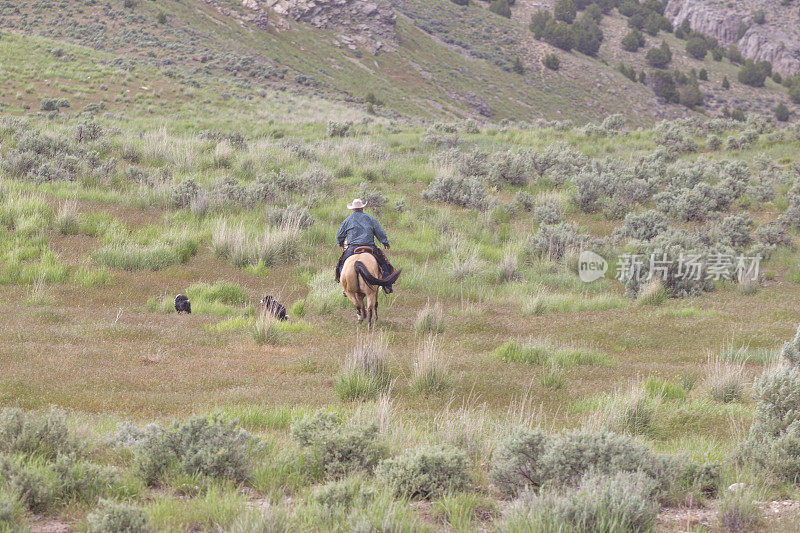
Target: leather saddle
363,250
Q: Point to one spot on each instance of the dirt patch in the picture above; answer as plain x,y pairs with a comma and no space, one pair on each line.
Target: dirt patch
50,525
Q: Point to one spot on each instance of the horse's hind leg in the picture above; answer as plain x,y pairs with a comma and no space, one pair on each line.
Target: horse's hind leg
372,311
358,303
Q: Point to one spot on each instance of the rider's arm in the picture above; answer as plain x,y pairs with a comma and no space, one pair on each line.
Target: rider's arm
377,230
342,233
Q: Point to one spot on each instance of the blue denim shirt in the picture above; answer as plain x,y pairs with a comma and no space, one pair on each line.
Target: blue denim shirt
361,229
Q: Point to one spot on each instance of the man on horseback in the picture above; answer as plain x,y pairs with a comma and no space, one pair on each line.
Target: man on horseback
361,230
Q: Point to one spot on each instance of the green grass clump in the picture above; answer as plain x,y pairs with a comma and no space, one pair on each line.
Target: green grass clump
263,417
12,510
221,291
67,219
285,472
431,368
100,224
267,329
221,299
554,378
234,323
463,511
653,294
689,312
298,309
739,511
364,374
357,384
216,508
543,303
513,351
324,295
165,304
154,256
748,355
661,388
91,277
542,352
725,380
25,214
31,264
243,246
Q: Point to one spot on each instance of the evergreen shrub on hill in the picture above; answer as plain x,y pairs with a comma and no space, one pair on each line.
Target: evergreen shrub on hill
551,61
697,47
753,74
659,57
633,40
500,7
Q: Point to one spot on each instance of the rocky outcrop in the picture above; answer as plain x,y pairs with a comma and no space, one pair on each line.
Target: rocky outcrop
253,16
362,23
776,41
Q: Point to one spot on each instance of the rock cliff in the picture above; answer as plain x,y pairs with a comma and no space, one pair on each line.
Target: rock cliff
359,23
777,40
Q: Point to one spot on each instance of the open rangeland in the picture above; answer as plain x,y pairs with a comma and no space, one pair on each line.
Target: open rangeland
498,391
489,330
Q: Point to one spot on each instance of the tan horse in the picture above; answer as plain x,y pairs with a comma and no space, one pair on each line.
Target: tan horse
360,282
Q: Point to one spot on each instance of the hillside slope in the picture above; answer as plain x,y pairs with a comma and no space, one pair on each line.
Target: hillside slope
410,58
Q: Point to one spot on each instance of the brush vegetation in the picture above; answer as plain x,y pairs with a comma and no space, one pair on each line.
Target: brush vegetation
188,154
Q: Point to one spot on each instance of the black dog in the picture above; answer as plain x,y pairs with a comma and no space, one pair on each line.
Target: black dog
182,304
276,309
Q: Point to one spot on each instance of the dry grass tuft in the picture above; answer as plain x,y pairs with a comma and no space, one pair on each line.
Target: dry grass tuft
431,368
430,319
365,373
242,247
724,379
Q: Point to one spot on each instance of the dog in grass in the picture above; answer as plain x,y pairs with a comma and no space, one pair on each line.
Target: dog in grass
271,305
183,305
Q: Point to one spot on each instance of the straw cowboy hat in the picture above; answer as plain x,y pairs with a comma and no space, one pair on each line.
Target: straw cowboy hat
357,204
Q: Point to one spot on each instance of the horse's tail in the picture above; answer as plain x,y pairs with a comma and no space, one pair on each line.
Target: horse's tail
362,271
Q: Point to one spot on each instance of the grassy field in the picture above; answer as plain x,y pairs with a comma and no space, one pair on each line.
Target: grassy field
482,330
498,391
